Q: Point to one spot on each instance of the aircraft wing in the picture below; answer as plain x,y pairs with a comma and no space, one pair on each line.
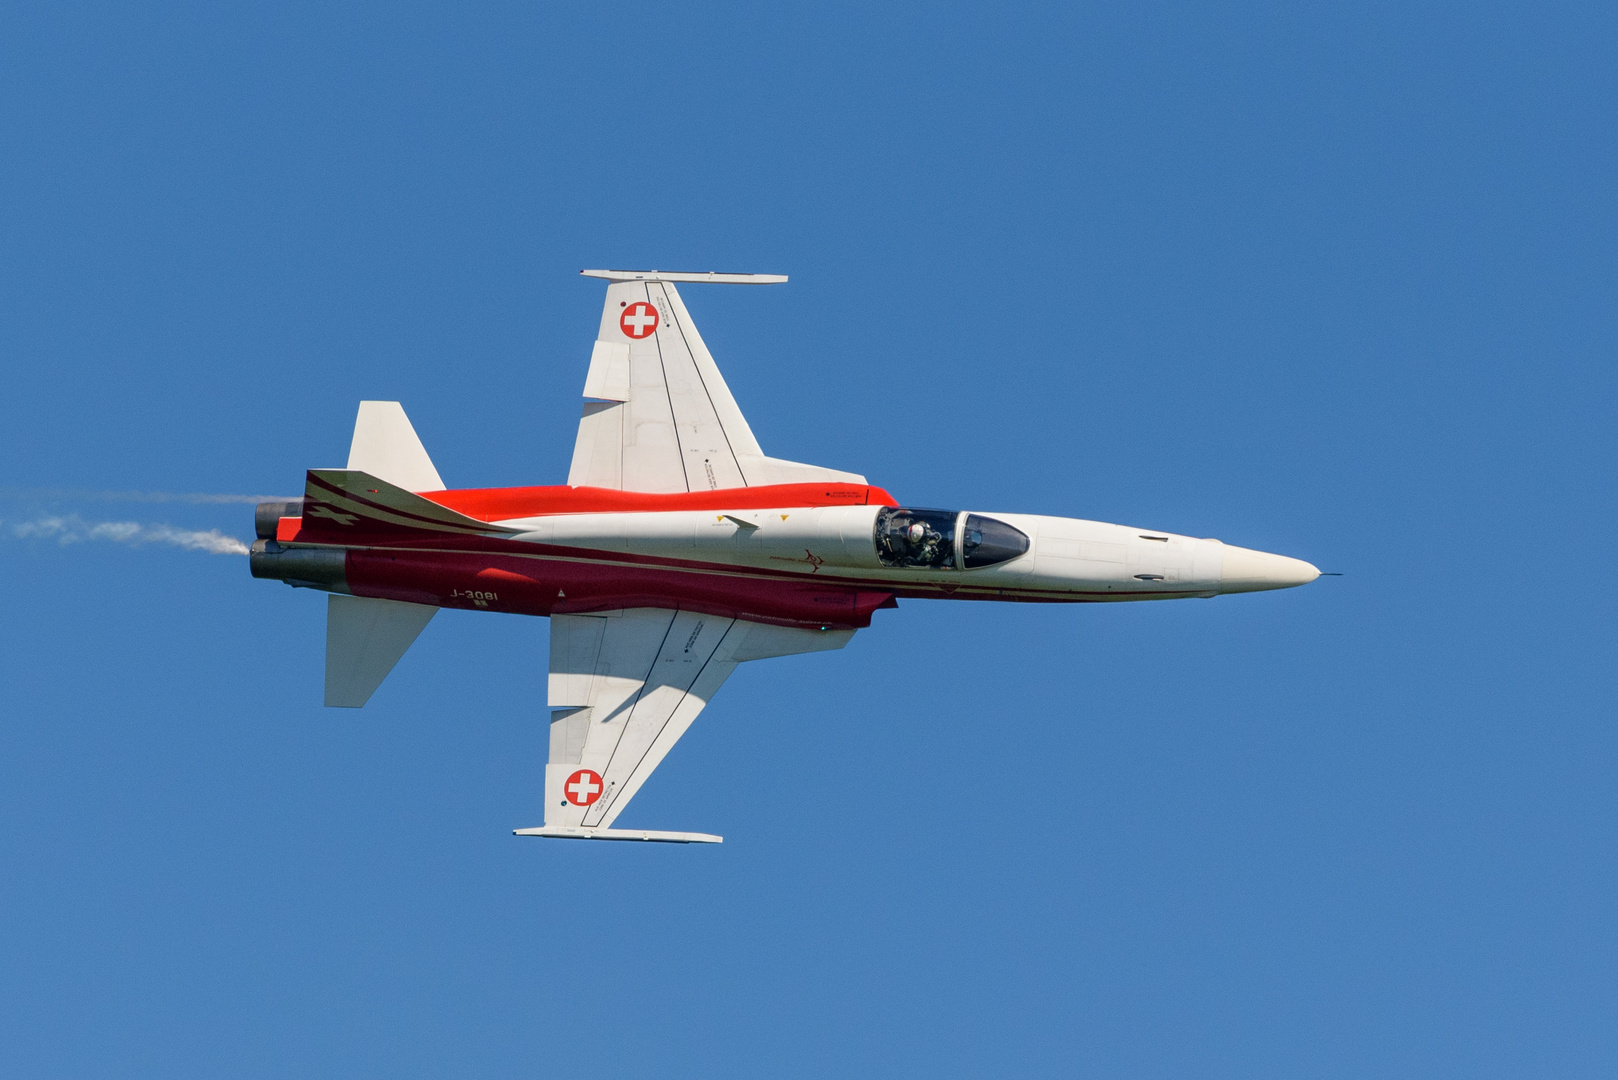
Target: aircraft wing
660,417
624,686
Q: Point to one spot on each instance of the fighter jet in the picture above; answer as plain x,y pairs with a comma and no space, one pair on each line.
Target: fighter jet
676,550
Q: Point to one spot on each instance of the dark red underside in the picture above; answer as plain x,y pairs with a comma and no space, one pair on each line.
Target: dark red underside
484,575
573,581
528,586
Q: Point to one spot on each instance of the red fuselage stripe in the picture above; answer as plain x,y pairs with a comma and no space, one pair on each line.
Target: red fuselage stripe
502,504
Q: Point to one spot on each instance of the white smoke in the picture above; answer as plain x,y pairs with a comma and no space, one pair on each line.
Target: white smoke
131,496
73,529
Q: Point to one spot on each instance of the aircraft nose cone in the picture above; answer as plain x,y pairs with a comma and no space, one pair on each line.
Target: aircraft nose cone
1245,570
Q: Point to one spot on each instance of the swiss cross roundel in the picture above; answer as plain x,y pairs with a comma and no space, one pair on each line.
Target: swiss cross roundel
583,787
639,320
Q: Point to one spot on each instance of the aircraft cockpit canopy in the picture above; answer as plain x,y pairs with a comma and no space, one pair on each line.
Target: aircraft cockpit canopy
944,539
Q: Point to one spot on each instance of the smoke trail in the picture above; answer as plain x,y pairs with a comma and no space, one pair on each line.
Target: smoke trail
74,530
131,496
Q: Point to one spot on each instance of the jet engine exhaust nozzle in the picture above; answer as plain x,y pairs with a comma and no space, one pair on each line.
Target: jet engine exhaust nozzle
307,568
267,515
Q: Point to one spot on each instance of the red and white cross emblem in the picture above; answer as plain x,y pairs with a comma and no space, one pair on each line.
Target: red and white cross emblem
639,320
583,787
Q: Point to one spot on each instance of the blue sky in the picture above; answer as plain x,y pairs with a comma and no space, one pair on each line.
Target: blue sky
1333,283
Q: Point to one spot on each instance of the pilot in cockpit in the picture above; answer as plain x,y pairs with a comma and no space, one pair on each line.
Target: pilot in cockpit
923,543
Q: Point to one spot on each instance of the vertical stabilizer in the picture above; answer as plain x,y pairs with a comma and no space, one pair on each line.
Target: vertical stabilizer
365,637
386,446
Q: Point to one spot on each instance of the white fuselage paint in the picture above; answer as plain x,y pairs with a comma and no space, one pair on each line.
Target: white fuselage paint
1067,557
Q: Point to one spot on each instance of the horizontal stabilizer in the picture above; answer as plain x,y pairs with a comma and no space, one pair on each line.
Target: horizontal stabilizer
365,637
623,834
346,500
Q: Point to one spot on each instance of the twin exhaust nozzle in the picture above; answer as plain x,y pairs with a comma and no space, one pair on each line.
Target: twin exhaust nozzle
305,568
268,515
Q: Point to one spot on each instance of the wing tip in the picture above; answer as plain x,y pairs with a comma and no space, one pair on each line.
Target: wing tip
710,277
647,835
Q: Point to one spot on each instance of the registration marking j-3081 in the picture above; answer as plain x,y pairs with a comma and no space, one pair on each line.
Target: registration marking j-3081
481,599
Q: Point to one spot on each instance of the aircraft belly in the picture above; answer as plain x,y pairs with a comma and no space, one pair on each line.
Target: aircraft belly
556,584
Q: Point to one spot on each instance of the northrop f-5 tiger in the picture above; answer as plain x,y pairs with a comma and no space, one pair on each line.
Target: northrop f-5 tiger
676,550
